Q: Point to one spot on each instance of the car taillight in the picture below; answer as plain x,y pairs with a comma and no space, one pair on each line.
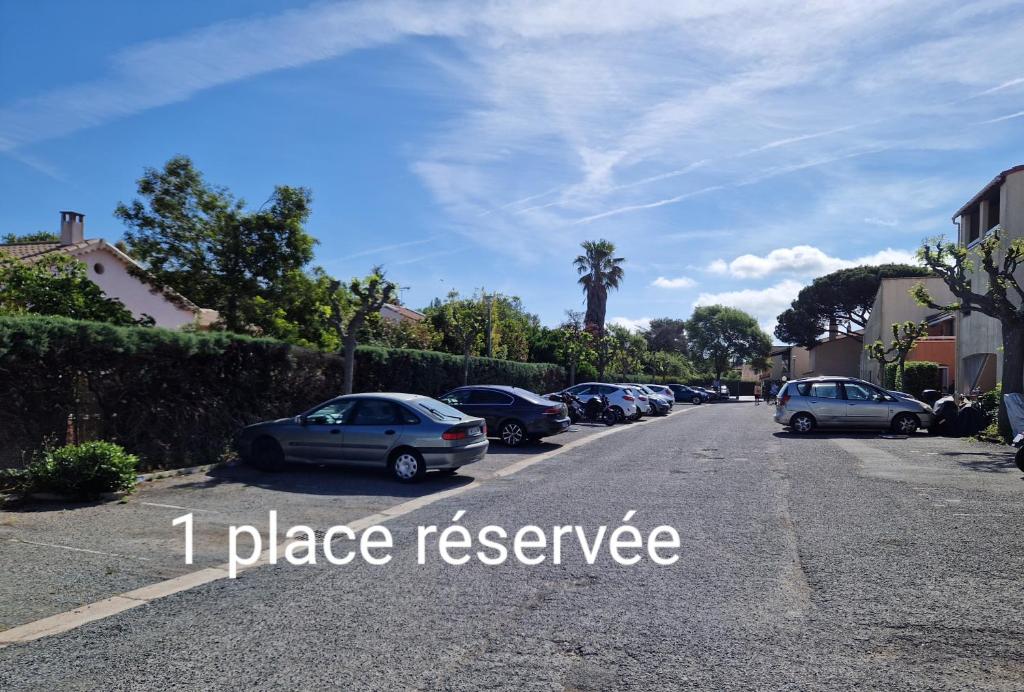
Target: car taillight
455,434
627,397
553,410
784,400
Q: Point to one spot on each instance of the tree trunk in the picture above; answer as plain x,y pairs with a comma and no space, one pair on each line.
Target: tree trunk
350,362
465,367
572,374
1013,369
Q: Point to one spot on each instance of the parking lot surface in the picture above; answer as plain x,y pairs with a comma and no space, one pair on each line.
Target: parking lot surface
828,561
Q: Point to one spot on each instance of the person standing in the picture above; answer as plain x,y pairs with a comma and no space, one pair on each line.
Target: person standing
757,394
773,393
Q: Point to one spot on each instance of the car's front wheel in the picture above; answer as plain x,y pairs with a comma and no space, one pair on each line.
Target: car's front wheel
802,423
512,433
905,424
407,466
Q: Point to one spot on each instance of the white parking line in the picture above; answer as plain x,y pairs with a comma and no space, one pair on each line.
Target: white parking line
77,550
187,509
72,619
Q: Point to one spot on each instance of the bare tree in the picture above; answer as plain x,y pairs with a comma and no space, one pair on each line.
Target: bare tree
349,310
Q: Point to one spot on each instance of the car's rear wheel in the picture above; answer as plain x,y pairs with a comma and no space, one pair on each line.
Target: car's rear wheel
802,423
512,433
407,466
905,424
266,455
696,401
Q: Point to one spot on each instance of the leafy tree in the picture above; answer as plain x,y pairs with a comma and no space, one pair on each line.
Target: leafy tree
667,334
721,336
599,270
1002,297
349,310
202,242
37,237
462,322
904,336
510,325
57,285
629,351
575,344
841,298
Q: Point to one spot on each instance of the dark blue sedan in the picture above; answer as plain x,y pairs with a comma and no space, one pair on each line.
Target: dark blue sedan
514,415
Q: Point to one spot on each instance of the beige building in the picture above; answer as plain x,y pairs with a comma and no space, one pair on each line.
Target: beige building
894,305
998,205
116,274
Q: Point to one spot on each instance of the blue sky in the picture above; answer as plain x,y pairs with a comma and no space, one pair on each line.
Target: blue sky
732,150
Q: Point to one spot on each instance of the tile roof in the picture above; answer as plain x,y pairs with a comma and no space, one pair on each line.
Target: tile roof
26,250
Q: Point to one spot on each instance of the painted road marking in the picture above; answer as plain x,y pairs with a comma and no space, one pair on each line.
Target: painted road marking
72,619
187,509
77,550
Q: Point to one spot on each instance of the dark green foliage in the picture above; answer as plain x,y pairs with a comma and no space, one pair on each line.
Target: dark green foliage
177,398
433,373
844,297
920,375
37,237
83,471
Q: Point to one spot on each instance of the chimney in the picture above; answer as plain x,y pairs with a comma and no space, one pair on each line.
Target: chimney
72,227
833,329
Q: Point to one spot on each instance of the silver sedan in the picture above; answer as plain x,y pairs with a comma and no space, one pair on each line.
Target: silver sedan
404,433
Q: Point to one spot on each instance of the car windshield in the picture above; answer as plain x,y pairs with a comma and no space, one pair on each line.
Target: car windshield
439,410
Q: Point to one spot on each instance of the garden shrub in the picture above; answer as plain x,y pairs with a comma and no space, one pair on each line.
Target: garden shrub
919,375
84,471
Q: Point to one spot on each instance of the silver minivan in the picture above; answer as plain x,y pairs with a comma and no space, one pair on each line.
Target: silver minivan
845,402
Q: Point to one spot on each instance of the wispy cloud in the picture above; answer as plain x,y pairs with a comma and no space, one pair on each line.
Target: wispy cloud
382,249
1011,116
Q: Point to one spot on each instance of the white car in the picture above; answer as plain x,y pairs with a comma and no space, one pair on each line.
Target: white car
643,401
620,398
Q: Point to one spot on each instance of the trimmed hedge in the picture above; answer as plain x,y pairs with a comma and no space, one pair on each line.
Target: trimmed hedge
178,398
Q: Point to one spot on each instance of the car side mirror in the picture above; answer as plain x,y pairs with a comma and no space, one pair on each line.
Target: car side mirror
300,420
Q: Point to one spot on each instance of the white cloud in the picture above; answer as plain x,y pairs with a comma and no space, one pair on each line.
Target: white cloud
718,266
803,260
764,304
633,325
678,282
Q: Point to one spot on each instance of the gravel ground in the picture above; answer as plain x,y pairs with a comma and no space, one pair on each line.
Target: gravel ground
824,562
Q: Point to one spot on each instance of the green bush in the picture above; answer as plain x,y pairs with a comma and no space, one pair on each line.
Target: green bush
178,398
990,400
919,375
83,471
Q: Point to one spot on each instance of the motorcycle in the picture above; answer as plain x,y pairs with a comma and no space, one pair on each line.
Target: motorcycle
598,410
574,406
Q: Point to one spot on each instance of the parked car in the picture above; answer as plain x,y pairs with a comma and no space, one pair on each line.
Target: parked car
514,415
664,392
828,402
404,433
645,407
621,398
659,404
693,395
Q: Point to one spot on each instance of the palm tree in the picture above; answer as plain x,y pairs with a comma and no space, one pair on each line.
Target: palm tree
599,270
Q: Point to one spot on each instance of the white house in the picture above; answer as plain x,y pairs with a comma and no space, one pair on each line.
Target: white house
112,271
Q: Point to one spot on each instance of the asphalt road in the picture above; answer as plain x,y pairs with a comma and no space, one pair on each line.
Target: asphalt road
823,562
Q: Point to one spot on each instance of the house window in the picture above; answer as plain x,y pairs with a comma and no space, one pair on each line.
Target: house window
98,268
973,230
993,209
